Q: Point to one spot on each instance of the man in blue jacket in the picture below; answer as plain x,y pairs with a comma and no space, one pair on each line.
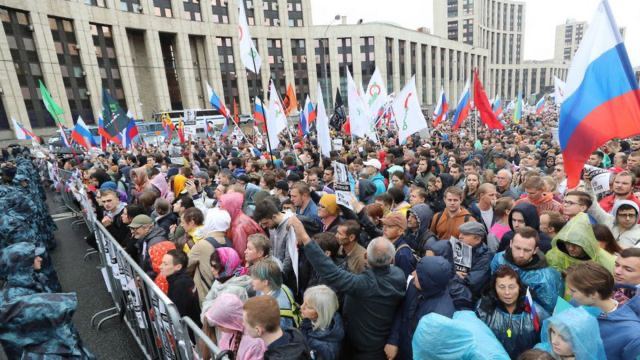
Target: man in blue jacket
371,298
374,166
428,292
524,256
591,285
393,227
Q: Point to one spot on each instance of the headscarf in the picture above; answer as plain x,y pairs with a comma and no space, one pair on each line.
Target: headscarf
156,253
140,178
230,262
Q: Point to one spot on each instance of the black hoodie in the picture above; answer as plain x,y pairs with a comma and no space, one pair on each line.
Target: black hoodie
531,219
436,200
291,346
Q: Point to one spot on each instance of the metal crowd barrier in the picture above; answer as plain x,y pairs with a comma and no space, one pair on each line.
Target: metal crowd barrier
152,318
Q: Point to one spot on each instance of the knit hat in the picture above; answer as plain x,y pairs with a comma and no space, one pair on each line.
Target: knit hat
329,203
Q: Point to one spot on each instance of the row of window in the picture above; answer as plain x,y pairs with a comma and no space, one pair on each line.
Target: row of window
19,33
508,89
219,10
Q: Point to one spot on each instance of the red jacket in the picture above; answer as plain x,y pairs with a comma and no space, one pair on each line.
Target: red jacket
607,202
241,225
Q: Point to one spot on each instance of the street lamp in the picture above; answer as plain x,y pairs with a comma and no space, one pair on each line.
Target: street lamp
325,82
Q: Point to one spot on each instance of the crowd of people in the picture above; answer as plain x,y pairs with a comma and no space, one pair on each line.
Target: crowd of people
450,246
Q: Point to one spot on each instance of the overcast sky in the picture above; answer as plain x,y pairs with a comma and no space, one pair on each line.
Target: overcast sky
542,16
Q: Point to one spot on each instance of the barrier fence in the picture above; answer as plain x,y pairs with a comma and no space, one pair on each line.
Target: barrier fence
152,318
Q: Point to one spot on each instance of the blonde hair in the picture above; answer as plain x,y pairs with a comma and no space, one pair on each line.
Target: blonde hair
325,302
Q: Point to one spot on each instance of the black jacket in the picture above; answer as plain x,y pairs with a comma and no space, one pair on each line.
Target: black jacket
531,218
371,299
182,292
291,346
118,229
166,221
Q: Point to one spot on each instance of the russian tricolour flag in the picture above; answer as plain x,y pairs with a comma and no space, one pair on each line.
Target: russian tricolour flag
440,112
81,134
216,102
464,104
601,99
259,114
540,105
497,106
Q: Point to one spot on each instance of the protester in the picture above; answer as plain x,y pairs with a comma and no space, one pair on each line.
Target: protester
266,279
576,243
322,324
591,285
504,309
261,318
473,234
225,316
524,215
419,218
622,190
572,334
529,262
365,334
182,290
242,226
627,274
622,221
394,226
427,292
446,223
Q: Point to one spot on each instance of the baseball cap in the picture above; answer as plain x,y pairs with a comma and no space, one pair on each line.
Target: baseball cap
373,162
395,219
140,220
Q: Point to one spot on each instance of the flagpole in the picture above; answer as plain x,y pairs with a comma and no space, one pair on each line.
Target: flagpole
475,122
264,115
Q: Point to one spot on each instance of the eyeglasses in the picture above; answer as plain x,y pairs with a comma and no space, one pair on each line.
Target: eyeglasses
569,203
628,216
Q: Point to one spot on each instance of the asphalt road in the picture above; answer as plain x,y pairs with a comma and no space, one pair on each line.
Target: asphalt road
113,340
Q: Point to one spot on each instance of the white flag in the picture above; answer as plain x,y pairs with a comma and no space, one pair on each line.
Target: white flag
248,53
276,120
17,129
406,107
322,126
359,117
376,94
559,87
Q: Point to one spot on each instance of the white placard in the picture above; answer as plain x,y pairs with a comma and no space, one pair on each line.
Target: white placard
341,185
461,255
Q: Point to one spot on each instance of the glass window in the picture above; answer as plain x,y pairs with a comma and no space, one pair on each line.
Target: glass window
162,8
107,61
294,8
25,60
227,70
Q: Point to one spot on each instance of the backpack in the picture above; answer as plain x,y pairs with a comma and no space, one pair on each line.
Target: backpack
294,312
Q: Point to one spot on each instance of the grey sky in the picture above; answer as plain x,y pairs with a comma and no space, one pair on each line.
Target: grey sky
542,16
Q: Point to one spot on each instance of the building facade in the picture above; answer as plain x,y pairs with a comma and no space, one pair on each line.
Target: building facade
497,25
568,38
158,55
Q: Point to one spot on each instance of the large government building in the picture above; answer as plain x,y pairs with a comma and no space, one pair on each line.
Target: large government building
158,55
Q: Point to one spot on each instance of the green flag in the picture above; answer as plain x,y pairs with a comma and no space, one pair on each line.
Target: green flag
54,109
